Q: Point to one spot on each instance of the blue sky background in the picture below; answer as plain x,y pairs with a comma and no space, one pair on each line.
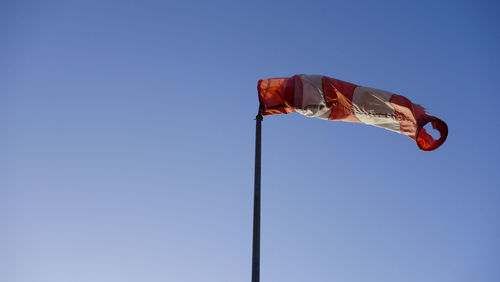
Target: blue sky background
127,138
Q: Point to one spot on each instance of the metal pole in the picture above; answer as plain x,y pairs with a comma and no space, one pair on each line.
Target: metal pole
256,203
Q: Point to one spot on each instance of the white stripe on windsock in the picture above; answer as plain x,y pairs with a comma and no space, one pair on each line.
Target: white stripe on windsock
313,102
372,106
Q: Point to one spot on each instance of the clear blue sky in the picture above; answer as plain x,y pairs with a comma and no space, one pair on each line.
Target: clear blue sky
127,138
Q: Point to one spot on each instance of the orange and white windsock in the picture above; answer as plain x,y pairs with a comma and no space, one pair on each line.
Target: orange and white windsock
332,99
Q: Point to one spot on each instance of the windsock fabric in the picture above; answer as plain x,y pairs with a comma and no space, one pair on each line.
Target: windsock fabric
332,99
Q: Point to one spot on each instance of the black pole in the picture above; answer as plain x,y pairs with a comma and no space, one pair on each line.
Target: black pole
256,203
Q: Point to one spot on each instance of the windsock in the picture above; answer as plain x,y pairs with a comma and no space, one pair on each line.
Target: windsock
333,99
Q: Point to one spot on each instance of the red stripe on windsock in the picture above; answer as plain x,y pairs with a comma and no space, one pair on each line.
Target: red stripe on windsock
405,114
272,96
338,96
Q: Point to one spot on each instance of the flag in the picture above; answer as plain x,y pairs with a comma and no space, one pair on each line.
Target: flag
333,99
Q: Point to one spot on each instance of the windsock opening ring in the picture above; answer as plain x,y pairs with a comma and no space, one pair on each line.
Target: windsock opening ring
425,141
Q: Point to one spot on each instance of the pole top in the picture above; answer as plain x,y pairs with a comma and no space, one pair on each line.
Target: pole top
259,114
